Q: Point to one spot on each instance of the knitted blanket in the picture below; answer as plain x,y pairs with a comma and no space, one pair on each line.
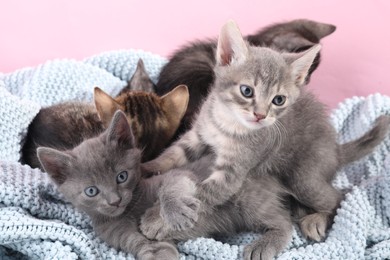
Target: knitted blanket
35,223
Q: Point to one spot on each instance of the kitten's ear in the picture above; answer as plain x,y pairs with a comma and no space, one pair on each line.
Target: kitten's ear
300,63
55,163
141,79
105,106
231,46
120,131
320,30
175,104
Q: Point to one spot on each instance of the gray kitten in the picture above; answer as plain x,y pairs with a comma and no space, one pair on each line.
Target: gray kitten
193,64
102,177
259,119
255,207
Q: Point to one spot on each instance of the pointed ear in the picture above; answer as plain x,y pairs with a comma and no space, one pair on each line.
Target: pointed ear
141,80
55,163
320,30
300,63
119,131
175,104
105,106
231,46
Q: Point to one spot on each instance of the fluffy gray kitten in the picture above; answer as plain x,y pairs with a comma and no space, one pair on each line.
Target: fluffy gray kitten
260,120
102,177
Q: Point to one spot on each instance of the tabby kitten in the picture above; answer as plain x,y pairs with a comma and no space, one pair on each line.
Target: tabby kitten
259,118
193,65
153,119
102,178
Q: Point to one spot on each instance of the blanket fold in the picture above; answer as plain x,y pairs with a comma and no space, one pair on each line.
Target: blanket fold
35,223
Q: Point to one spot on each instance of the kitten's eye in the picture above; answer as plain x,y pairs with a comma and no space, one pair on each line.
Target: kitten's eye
121,177
246,91
91,191
279,100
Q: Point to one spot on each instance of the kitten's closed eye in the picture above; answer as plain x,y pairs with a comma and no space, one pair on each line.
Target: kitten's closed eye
91,191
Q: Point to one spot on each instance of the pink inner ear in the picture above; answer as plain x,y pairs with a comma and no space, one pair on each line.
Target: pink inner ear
225,53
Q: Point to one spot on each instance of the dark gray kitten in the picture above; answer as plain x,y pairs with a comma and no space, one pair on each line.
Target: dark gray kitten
102,177
259,119
193,64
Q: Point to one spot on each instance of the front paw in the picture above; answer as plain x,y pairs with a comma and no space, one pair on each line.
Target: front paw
259,249
153,225
159,250
180,214
314,226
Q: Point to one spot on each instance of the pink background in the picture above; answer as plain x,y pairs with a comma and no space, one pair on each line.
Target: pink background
356,58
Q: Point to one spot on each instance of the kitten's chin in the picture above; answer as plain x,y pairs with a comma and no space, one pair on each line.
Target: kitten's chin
113,211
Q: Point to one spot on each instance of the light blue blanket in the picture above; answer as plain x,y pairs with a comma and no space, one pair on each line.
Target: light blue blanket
36,224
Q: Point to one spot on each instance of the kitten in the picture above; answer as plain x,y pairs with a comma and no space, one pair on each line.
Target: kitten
259,118
255,207
193,65
153,119
102,178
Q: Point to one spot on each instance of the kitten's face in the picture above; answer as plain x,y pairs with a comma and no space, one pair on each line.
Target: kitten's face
255,86
99,175
258,91
102,179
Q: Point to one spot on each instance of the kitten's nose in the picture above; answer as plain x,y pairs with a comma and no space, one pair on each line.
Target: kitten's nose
115,201
259,116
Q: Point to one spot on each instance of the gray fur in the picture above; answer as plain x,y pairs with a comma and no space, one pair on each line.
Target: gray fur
115,211
294,143
139,81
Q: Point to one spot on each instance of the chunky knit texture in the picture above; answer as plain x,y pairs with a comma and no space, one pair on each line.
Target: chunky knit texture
35,223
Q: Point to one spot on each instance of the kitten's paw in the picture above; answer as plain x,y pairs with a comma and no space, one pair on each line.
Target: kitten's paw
259,249
153,225
314,226
180,214
159,250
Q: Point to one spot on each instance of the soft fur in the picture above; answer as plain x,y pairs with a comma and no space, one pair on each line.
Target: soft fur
292,142
193,64
101,164
153,119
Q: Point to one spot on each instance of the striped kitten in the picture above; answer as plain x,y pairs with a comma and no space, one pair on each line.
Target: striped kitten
260,120
153,119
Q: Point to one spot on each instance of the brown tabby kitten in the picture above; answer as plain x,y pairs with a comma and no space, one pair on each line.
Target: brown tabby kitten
193,65
260,119
153,119
102,178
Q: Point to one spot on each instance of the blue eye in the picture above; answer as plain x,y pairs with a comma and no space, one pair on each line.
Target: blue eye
246,91
91,191
121,177
279,100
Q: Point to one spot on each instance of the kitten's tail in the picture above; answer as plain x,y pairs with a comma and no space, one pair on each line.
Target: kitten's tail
358,148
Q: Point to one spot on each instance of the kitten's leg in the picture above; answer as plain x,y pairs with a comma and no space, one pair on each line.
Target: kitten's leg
263,211
176,209
323,199
225,180
124,235
188,148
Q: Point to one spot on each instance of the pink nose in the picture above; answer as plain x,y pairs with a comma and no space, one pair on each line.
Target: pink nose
259,116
